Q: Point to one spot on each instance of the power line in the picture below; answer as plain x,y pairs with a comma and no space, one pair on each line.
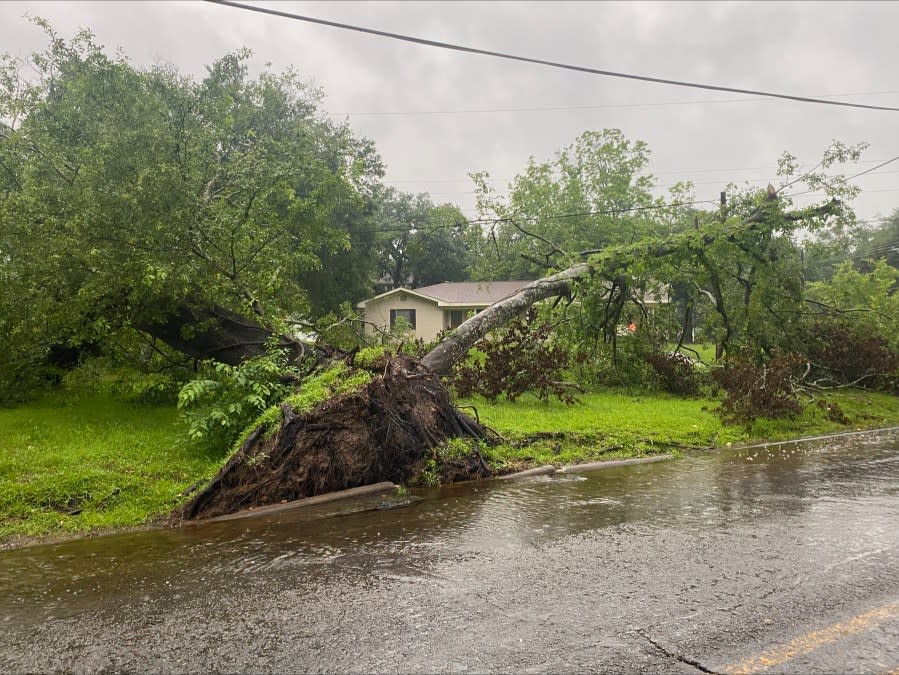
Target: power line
543,62
653,207
756,181
567,108
558,216
860,173
874,254
666,172
873,168
881,249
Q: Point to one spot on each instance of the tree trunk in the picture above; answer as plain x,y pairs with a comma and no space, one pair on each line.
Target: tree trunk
441,359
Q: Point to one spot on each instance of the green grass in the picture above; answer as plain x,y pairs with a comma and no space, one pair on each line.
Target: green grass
705,351
79,464
119,464
613,424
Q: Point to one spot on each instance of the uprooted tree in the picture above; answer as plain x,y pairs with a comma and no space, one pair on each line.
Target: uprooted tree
383,430
189,219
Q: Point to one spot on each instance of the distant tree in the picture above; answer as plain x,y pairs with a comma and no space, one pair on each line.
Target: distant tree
586,198
420,243
879,242
439,252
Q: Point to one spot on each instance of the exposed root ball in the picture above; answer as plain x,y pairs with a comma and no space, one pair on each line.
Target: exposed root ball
378,433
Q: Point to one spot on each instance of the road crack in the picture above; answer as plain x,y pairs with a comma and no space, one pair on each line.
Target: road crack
676,656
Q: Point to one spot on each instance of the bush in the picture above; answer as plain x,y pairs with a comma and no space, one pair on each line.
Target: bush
149,388
518,359
220,403
763,387
622,364
103,375
676,373
842,353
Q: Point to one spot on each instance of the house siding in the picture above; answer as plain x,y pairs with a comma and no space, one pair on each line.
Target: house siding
429,319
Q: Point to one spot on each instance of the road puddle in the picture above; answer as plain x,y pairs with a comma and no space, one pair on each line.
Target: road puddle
399,537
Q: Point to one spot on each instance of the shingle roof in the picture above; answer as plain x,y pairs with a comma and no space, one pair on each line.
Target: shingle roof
472,292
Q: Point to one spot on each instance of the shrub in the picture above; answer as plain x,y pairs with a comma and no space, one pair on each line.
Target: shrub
763,387
676,373
150,388
841,353
220,403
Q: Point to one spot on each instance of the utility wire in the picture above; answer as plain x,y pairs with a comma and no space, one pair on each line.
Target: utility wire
558,216
578,214
854,176
752,181
873,168
666,172
567,108
883,249
543,62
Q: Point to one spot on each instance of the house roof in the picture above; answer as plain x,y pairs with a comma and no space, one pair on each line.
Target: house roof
459,293
472,292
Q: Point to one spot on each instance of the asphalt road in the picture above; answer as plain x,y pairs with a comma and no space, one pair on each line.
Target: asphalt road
783,559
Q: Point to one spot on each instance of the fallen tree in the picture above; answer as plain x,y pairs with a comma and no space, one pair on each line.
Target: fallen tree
385,430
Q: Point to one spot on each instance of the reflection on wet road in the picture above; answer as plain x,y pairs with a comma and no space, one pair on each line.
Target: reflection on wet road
704,562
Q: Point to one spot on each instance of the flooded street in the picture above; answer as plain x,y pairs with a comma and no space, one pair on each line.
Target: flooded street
775,559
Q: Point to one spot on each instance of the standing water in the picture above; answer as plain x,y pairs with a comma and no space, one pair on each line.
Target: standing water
82,594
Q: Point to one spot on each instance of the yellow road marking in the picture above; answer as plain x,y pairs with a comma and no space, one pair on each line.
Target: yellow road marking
812,641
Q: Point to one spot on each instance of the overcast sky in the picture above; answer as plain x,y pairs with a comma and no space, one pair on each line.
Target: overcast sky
417,102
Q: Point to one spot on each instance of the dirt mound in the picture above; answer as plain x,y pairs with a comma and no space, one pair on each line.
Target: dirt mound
379,433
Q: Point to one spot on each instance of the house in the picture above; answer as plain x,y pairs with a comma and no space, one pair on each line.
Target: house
431,309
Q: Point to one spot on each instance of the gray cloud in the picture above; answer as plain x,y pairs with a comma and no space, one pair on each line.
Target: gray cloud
805,48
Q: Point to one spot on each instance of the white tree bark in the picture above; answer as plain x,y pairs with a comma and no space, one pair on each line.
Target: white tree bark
441,359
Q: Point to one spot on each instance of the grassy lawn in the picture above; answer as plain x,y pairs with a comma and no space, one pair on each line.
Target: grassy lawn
616,424
90,463
76,464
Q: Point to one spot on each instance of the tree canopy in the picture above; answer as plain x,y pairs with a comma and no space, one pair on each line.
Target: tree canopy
420,243
143,198
590,196
199,216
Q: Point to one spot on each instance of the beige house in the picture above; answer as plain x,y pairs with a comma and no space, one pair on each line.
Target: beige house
431,309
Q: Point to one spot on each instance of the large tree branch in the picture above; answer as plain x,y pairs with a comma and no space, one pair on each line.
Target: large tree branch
454,348
214,332
443,356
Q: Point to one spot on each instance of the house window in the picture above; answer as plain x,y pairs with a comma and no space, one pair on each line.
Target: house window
406,314
456,317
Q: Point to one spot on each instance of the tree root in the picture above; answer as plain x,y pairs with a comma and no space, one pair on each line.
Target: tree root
381,432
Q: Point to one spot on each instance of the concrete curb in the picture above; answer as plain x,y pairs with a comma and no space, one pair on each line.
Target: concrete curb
549,469
537,471
589,466
806,439
376,488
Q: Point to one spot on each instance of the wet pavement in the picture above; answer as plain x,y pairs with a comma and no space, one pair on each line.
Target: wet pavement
777,559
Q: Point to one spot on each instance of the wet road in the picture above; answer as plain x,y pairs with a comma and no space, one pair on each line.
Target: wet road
779,559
